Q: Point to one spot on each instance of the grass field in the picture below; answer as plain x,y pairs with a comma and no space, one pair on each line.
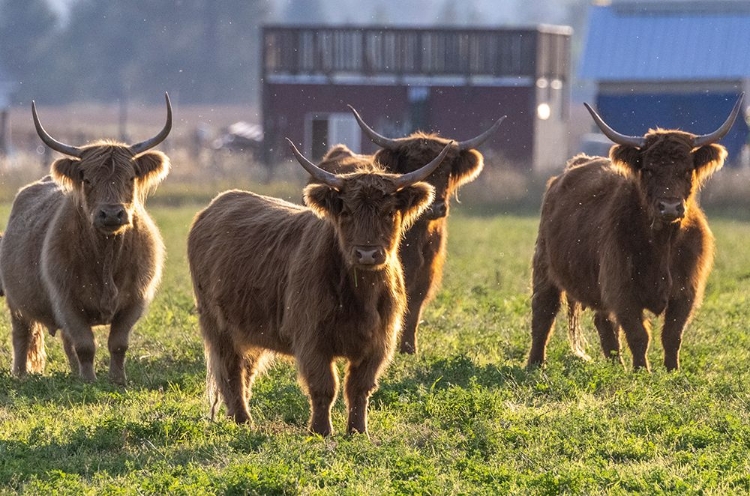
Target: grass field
463,417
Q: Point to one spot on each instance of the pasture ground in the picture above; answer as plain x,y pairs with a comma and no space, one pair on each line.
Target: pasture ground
462,417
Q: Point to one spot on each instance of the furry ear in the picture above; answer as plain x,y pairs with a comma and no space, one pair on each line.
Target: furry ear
151,168
467,167
627,156
66,172
707,160
413,200
323,200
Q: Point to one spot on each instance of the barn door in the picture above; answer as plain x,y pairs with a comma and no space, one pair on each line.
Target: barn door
324,130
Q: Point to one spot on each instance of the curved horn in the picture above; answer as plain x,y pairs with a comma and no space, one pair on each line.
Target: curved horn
150,143
376,138
316,172
405,180
620,139
475,142
50,141
707,139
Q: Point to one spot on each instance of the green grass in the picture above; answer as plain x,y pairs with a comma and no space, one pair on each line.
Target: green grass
462,417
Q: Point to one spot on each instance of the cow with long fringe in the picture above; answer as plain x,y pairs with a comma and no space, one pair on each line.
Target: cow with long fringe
315,283
624,235
80,250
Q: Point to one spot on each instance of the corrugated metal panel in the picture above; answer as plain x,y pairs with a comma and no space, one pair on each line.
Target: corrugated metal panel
638,45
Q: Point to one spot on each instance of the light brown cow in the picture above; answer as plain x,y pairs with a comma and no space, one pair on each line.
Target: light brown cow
624,235
314,283
80,251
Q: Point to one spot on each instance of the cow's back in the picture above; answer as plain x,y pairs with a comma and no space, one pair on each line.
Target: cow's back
33,211
240,248
585,212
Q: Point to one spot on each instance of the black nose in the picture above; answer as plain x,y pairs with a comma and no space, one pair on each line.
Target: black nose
673,209
369,255
112,216
439,209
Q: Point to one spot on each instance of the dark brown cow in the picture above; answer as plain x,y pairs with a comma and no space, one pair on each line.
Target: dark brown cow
423,249
80,250
314,283
626,234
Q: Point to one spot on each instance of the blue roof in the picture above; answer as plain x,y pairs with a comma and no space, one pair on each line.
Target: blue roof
642,44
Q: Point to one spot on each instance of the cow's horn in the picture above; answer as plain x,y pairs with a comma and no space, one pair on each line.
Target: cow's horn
316,172
49,140
378,139
415,176
475,142
620,139
150,143
707,139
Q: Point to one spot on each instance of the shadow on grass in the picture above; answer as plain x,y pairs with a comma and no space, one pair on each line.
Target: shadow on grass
63,388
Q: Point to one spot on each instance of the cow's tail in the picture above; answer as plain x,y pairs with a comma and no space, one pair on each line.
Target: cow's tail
575,335
213,376
36,356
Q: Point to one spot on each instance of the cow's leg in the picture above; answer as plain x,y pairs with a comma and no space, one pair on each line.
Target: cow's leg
417,291
676,318
361,381
81,337
28,346
637,336
320,379
608,336
545,303
70,352
119,337
225,369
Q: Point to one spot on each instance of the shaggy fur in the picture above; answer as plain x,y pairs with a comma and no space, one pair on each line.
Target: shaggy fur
63,265
423,249
604,243
274,277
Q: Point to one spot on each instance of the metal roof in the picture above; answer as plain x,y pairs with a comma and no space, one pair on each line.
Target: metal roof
637,42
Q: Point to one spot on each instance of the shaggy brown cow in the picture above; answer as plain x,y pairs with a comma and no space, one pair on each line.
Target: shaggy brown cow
80,250
626,234
423,249
314,283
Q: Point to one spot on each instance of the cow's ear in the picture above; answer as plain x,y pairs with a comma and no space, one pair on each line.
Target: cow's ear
323,200
707,160
628,156
67,172
467,167
151,168
413,200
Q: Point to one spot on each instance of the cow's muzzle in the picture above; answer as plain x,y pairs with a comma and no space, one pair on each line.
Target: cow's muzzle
369,256
111,217
671,210
437,210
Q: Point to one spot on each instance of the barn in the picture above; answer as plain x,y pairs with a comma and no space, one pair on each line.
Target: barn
456,82
669,63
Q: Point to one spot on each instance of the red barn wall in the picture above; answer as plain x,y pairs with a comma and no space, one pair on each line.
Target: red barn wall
457,112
